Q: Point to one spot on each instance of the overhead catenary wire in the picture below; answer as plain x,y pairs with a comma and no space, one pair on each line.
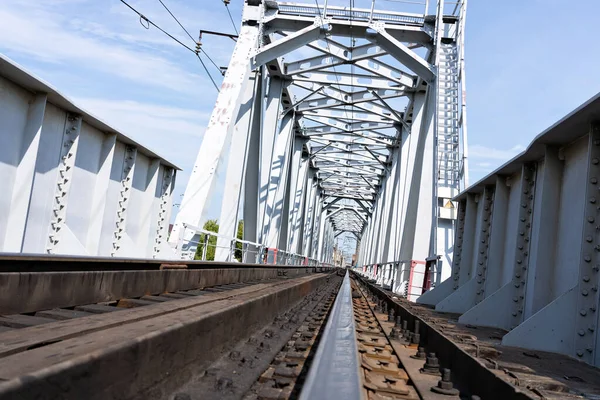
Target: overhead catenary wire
191,37
226,3
149,22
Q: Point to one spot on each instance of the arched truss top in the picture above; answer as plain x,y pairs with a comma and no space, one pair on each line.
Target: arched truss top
350,77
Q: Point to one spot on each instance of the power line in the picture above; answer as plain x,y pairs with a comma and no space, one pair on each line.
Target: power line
194,40
226,2
148,21
176,20
143,17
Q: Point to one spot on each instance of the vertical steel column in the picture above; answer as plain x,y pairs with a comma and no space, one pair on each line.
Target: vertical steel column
124,196
419,202
300,194
586,322
278,182
389,233
484,243
523,242
25,174
496,251
101,186
309,213
70,142
164,211
252,173
543,236
316,238
269,132
298,176
247,122
219,131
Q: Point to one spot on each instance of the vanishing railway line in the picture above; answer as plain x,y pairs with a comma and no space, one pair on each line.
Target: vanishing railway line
253,332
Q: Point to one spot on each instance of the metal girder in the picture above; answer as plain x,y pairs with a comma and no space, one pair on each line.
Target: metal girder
402,53
346,79
289,44
343,146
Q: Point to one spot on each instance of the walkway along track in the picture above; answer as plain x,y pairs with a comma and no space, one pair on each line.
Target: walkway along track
479,364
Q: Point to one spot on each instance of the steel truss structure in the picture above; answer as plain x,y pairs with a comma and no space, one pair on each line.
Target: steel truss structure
73,184
335,120
527,256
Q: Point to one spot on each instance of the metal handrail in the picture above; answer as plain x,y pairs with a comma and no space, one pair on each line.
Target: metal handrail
262,253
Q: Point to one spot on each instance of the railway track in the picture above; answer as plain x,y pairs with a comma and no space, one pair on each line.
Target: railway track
257,333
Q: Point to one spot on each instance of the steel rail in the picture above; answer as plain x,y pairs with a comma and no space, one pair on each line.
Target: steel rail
334,371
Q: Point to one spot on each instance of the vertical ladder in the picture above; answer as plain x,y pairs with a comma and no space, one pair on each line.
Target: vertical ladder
449,161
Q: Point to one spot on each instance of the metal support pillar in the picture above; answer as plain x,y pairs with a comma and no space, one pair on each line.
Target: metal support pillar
246,123
278,182
24,176
514,291
218,133
417,212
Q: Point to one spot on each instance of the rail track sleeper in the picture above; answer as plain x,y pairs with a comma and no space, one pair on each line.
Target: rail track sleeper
60,314
23,321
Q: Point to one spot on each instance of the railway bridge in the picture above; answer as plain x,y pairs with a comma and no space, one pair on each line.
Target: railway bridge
331,121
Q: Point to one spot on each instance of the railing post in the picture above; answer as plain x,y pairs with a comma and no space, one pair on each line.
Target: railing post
372,8
204,247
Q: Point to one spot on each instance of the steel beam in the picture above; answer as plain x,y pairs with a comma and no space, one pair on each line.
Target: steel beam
218,133
247,122
402,53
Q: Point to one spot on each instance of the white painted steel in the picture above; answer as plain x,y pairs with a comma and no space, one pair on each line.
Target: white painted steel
69,185
352,103
542,270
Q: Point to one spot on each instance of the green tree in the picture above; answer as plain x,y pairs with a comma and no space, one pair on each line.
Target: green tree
211,225
238,245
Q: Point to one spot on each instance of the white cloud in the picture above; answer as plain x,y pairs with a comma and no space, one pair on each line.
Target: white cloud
53,38
491,153
485,159
174,133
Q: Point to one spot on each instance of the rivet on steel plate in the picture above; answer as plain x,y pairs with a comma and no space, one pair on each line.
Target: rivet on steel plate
583,313
581,332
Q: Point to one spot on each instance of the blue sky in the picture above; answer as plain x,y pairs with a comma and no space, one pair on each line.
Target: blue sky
529,62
